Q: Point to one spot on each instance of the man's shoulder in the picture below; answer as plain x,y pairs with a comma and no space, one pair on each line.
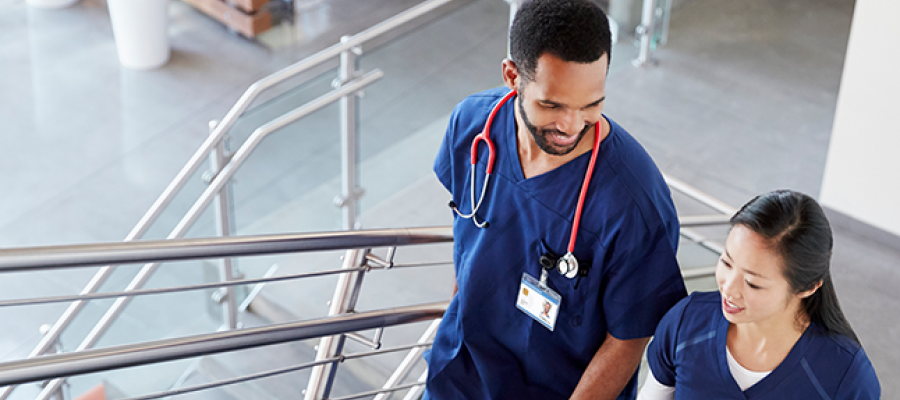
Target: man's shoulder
629,153
638,181
478,105
466,121
470,116
488,96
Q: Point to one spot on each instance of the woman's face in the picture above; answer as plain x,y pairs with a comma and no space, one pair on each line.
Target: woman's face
750,279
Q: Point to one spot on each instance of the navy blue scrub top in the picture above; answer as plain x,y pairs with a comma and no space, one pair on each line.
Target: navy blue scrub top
487,348
688,352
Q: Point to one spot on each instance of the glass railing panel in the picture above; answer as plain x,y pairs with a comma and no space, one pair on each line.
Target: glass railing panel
290,163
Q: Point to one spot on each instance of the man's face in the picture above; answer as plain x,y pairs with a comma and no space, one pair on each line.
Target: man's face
563,102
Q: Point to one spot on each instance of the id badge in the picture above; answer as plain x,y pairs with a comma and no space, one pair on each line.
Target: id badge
538,301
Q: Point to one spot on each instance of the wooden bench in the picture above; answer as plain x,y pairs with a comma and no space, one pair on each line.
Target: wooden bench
244,16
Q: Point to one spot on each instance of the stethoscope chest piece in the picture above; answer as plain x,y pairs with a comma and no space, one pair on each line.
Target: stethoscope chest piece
567,265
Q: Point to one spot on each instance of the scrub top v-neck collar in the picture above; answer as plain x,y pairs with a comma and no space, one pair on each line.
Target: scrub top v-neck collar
770,382
514,164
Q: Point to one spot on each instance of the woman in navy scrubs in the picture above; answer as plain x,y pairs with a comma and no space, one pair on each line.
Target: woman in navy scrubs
775,329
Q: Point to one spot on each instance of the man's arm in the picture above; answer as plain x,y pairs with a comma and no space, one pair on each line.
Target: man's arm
610,369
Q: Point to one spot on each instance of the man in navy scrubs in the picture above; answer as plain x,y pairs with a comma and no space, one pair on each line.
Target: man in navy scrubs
496,341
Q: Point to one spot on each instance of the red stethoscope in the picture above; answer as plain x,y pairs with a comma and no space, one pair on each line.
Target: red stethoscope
566,265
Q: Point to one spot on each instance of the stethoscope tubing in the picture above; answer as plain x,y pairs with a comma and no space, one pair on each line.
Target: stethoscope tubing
485,137
584,188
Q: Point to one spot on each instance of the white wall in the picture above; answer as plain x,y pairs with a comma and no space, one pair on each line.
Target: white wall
862,172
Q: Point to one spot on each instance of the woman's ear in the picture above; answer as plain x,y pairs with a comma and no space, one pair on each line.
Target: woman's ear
511,74
810,292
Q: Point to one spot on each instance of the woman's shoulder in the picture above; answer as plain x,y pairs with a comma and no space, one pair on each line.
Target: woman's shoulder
837,357
837,346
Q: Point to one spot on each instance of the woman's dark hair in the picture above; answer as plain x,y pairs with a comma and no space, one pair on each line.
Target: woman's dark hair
798,230
573,30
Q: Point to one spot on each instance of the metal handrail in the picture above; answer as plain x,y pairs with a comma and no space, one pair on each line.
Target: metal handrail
280,371
95,360
140,251
698,195
202,286
704,220
33,258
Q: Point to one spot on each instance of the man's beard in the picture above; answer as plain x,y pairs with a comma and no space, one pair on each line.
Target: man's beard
540,135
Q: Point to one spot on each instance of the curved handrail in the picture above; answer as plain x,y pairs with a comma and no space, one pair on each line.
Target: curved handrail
94,360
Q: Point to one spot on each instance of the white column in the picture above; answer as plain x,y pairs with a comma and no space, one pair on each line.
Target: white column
862,172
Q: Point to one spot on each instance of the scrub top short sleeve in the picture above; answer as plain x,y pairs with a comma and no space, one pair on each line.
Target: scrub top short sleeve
643,282
660,352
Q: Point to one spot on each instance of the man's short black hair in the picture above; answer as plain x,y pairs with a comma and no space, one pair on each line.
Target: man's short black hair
572,30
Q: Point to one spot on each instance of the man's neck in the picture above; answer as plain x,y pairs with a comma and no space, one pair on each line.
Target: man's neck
536,161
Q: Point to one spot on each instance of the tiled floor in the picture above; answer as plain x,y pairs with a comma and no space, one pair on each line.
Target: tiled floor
742,102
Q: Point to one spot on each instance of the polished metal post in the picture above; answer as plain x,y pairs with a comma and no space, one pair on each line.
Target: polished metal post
322,376
217,161
350,191
645,31
62,392
406,365
416,391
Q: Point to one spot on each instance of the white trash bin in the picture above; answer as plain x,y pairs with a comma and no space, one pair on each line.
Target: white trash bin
141,31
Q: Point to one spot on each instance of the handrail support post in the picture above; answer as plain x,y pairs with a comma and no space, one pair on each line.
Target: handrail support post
349,115
62,391
343,301
645,31
224,218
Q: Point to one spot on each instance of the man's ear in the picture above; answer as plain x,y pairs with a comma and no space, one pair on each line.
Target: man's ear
511,75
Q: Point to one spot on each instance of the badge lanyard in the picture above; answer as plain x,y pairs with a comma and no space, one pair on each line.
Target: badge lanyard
567,264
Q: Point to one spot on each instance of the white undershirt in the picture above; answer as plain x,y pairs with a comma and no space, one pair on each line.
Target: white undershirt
745,378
